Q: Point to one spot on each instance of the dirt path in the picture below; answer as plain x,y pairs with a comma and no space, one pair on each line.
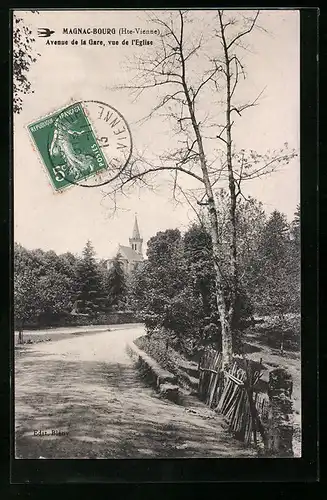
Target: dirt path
88,389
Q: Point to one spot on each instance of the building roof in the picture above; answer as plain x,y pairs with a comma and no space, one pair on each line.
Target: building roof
136,232
129,254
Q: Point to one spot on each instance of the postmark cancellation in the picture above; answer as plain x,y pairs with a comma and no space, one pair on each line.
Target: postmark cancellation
85,143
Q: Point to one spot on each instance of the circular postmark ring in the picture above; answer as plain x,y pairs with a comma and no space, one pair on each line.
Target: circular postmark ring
111,144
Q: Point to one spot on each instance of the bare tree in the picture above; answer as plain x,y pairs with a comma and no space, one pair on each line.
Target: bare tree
241,166
187,83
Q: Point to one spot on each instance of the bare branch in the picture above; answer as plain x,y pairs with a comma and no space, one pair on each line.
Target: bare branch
149,86
175,183
243,107
223,130
186,197
205,81
240,35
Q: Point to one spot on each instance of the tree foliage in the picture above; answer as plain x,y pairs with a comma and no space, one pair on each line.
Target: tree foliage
115,282
23,57
162,289
276,277
26,287
199,259
200,103
175,289
90,296
41,285
48,287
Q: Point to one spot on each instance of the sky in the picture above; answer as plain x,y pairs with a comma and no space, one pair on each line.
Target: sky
64,221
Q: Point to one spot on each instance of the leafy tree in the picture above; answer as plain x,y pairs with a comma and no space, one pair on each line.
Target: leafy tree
199,257
89,283
165,263
296,229
68,263
249,220
116,282
295,262
154,284
45,285
23,57
183,90
176,288
56,284
137,291
26,289
277,289
162,290
249,223
270,264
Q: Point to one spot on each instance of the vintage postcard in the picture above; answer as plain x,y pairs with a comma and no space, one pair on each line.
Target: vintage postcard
157,255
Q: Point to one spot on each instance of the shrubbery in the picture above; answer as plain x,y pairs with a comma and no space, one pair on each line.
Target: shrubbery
173,291
48,287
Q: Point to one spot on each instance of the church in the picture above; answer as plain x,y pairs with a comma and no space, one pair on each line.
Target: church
130,256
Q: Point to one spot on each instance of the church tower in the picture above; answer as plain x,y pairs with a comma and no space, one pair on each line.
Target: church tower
136,241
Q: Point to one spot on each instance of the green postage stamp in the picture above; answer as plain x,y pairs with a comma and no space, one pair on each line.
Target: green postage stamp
68,147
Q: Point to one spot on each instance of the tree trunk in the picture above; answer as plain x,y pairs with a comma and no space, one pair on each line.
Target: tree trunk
226,331
282,345
20,333
231,184
225,318
282,324
236,323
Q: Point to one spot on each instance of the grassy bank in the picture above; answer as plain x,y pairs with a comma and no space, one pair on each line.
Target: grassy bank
262,340
170,359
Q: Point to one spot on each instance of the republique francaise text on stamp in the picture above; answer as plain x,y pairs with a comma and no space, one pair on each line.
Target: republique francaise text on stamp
81,141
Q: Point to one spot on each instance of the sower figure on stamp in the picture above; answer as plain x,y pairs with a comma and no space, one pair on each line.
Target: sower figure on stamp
76,163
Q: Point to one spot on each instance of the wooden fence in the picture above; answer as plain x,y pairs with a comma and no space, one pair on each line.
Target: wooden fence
234,394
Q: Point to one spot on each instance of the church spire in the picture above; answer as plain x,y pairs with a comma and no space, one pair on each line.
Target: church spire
136,241
136,231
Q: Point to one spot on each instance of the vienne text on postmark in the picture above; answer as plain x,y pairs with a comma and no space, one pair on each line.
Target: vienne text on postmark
86,143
